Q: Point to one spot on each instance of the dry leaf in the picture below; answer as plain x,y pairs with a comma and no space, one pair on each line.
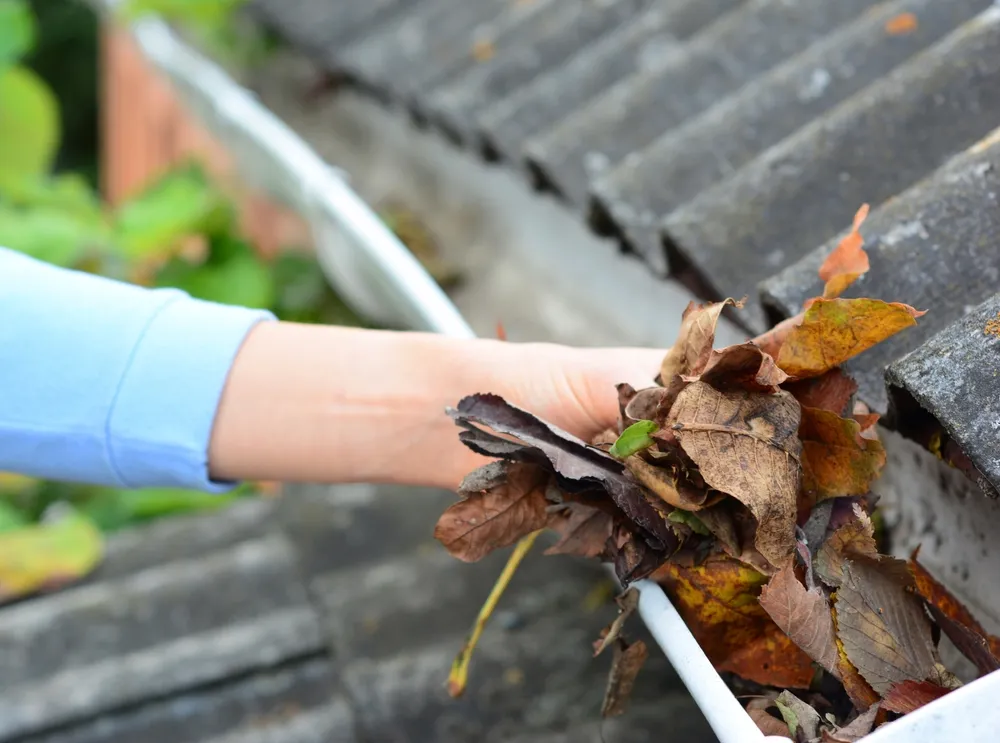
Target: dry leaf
745,444
767,723
836,460
907,696
625,667
802,719
577,464
861,694
847,262
955,620
718,601
904,23
856,538
855,730
835,330
632,558
695,337
772,341
582,530
803,615
651,403
743,366
831,391
628,602
659,481
885,632
508,507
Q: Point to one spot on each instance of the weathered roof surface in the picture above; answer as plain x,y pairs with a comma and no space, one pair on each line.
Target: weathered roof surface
327,616
723,142
935,246
955,377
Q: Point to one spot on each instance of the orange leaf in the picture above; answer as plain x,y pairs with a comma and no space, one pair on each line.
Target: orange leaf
858,691
483,50
836,460
847,262
831,391
719,602
910,695
955,620
835,330
904,23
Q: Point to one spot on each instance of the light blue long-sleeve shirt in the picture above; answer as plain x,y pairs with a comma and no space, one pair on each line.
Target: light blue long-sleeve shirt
107,383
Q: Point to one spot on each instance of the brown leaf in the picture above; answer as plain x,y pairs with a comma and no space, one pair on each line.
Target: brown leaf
835,330
628,602
745,444
831,391
582,530
847,262
633,559
649,404
767,723
856,538
743,366
855,730
955,620
718,601
719,520
907,696
802,615
836,460
861,694
695,337
885,632
625,667
576,464
504,510
659,481
771,341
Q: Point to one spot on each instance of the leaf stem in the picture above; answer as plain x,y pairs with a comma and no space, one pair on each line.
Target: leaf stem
458,678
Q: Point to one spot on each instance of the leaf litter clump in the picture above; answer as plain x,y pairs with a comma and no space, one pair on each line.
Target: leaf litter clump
740,483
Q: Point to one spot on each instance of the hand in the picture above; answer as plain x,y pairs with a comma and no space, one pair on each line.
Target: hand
324,404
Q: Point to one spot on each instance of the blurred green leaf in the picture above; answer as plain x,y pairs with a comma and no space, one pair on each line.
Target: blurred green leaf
66,191
196,11
689,519
29,124
634,439
50,234
11,518
179,205
47,556
17,31
241,279
113,509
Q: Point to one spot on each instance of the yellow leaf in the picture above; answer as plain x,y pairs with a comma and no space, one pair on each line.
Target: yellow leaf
47,556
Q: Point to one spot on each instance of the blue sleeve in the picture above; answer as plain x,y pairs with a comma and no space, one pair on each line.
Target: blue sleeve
107,383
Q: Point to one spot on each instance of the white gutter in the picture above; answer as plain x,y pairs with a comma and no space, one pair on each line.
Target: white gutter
365,261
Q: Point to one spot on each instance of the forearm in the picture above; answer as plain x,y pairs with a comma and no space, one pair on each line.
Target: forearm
329,404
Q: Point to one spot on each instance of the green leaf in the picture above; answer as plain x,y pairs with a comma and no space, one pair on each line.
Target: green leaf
179,205
50,234
11,518
47,556
17,31
67,191
193,11
634,439
243,280
113,509
687,518
29,124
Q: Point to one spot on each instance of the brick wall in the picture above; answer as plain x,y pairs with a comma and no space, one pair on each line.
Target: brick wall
145,130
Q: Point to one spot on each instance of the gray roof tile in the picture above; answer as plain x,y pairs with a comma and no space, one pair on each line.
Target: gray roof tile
714,63
934,246
632,199
804,190
954,378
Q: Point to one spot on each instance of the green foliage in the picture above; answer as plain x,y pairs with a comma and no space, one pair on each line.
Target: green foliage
17,31
634,439
29,124
192,11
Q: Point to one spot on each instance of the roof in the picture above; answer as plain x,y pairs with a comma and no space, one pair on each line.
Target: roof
323,616
727,144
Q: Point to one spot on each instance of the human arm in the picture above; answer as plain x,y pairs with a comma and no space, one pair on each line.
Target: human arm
113,384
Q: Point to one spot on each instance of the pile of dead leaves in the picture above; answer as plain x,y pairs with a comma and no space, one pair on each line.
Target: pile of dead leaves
740,482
